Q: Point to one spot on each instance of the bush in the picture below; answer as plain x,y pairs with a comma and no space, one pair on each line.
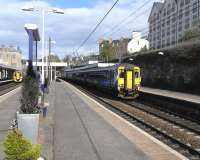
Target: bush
16,147
30,92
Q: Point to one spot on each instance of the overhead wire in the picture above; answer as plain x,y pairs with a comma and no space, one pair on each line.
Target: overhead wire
128,17
96,27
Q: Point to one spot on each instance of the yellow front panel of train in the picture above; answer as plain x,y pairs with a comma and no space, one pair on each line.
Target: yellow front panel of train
129,77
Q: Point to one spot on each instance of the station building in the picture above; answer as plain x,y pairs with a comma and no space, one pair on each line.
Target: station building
10,56
119,46
169,19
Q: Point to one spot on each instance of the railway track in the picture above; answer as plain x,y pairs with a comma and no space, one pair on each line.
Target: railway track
7,87
180,134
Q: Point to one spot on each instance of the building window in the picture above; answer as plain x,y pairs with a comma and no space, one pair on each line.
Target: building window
187,11
187,25
182,3
194,9
173,31
195,17
180,28
187,20
187,2
164,13
168,41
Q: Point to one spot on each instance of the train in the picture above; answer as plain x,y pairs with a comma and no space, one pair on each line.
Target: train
17,76
122,80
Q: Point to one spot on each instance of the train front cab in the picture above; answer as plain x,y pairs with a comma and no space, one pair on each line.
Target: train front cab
17,76
128,81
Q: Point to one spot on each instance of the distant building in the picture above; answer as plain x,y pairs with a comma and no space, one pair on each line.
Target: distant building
119,46
170,19
137,43
10,56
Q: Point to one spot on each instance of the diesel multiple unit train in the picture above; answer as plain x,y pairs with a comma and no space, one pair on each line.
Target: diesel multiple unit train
122,80
17,76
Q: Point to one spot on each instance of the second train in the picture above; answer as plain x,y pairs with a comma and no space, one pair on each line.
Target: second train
122,80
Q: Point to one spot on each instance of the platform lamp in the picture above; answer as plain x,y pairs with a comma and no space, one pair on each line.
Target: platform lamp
54,10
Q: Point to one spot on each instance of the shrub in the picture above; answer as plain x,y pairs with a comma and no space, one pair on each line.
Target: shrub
16,147
30,92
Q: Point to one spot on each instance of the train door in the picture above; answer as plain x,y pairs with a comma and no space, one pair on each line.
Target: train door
129,80
121,78
137,76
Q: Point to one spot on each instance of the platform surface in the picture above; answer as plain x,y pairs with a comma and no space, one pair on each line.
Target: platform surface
83,133
172,94
9,104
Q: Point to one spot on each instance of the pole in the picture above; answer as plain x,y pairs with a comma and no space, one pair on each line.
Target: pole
49,54
198,13
36,53
30,47
43,40
46,64
176,21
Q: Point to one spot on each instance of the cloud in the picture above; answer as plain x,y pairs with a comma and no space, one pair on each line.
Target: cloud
70,29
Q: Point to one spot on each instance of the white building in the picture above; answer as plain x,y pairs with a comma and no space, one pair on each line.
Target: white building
170,19
137,43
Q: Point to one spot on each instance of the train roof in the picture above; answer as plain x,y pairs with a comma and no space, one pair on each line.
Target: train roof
98,67
92,66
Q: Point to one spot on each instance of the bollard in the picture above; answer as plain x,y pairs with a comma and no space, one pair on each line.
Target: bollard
44,109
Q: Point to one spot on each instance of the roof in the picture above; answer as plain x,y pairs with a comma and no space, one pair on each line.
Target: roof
9,67
158,6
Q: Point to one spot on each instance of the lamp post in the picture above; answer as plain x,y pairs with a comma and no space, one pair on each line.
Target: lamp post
49,61
54,10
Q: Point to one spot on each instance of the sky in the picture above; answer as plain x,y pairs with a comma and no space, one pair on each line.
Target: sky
70,29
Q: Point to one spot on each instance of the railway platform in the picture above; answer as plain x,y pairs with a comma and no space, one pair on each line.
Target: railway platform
9,104
84,130
172,94
78,127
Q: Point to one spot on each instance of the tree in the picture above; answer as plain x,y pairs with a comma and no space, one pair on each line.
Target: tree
16,147
53,58
107,52
192,34
67,59
30,92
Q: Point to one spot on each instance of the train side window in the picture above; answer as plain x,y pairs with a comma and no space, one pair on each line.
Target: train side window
122,74
136,74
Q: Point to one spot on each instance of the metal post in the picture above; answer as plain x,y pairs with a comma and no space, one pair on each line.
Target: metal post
36,53
176,21
198,13
46,63
30,46
55,72
43,45
51,73
49,54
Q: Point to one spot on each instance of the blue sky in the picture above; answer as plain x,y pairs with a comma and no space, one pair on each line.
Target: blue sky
70,29
72,3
